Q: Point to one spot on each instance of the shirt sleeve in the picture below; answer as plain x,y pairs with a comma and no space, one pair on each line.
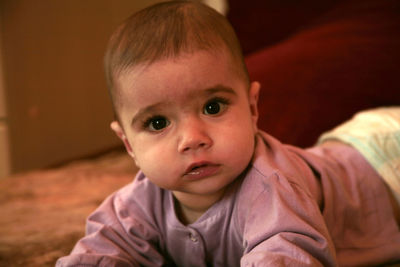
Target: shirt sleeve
284,227
114,237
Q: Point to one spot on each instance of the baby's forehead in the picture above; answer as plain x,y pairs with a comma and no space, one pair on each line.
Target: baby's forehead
171,77
186,59
183,60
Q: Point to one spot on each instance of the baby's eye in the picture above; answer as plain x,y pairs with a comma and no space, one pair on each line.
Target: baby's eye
156,123
215,106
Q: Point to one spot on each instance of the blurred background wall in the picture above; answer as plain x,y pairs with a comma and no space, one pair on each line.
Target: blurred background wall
4,148
54,104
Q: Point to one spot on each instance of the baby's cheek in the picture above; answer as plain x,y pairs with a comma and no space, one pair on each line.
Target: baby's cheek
157,165
241,148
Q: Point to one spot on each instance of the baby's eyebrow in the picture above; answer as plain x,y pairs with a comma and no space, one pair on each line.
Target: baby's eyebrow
207,92
219,89
146,110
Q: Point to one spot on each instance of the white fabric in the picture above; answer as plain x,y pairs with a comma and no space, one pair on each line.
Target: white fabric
375,134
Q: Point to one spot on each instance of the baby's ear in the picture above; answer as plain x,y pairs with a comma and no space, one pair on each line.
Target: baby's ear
119,131
253,102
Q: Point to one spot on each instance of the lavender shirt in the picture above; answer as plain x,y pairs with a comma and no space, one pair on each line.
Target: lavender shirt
324,206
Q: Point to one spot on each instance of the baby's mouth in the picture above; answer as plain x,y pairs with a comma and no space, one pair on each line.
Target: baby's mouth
196,169
201,169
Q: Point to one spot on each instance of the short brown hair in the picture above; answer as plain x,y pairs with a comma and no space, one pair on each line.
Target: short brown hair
165,30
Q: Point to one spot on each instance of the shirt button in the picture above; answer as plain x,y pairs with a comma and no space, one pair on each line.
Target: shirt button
193,237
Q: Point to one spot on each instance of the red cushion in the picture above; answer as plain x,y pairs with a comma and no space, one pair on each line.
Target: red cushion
348,61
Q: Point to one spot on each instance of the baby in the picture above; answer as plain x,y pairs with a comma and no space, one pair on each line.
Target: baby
213,189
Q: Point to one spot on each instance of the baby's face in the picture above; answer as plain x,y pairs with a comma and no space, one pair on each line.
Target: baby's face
189,122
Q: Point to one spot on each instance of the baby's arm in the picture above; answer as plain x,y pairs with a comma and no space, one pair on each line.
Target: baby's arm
114,239
284,227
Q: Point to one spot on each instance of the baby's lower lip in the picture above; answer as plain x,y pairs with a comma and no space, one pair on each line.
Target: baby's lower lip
203,171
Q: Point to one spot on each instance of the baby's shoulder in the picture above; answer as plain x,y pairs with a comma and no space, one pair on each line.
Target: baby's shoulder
140,191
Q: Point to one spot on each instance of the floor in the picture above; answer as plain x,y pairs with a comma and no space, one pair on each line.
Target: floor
43,212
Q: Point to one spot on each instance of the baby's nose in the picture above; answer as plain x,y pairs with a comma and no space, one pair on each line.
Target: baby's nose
193,136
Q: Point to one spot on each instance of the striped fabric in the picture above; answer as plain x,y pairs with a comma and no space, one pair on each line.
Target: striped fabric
375,134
